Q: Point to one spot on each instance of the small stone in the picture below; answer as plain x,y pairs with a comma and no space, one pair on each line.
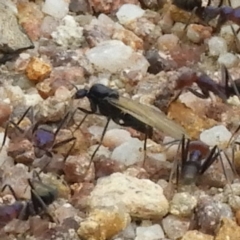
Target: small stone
217,135
56,8
12,36
115,137
142,198
77,169
128,38
105,167
129,152
69,33
16,176
196,235
65,211
197,33
128,13
237,215
5,111
228,230
37,69
49,25
167,42
21,151
30,17
228,59
175,227
153,232
217,46
80,194
115,54
183,204
209,214
103,223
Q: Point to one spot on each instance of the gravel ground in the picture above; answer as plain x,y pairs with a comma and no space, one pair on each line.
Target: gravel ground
50,48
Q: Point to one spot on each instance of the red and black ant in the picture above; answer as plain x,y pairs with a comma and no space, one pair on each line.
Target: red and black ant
227,88
42,137
196,158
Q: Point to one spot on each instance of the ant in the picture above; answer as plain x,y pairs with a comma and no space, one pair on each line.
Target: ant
41,136
126,112
42,195
223,90
196,158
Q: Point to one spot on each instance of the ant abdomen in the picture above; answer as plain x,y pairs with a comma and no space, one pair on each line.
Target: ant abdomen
187,5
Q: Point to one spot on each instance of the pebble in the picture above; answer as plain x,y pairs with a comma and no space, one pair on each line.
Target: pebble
167,42
115,137
142,198
69,33
128,13
103,223
196,235
128,153
175,227
77,169
56,8
217,46
12,36
216,135
5,111
112,55
209,214
154,232
228,230
197,33
228,59
64,211
37,69
182,204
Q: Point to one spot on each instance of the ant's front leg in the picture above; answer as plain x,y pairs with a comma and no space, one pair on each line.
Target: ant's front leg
203,95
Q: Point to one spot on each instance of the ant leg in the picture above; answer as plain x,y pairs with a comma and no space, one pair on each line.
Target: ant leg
61,124
188,23
63,142
212,156
220,3
237,42
11,190
175,167
148,134
100,143
24,115
198,94
230,140
78,126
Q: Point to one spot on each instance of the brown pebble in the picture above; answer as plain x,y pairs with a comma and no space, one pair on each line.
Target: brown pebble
37,69
237,215
229,230
5,111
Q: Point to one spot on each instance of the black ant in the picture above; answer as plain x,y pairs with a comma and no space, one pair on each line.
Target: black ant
196,158
206,14
223,90
42,195
126,112
41,136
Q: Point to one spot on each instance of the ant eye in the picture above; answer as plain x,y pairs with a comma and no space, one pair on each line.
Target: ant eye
81,93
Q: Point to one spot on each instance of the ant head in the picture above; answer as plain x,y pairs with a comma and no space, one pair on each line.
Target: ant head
81,93
100,91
